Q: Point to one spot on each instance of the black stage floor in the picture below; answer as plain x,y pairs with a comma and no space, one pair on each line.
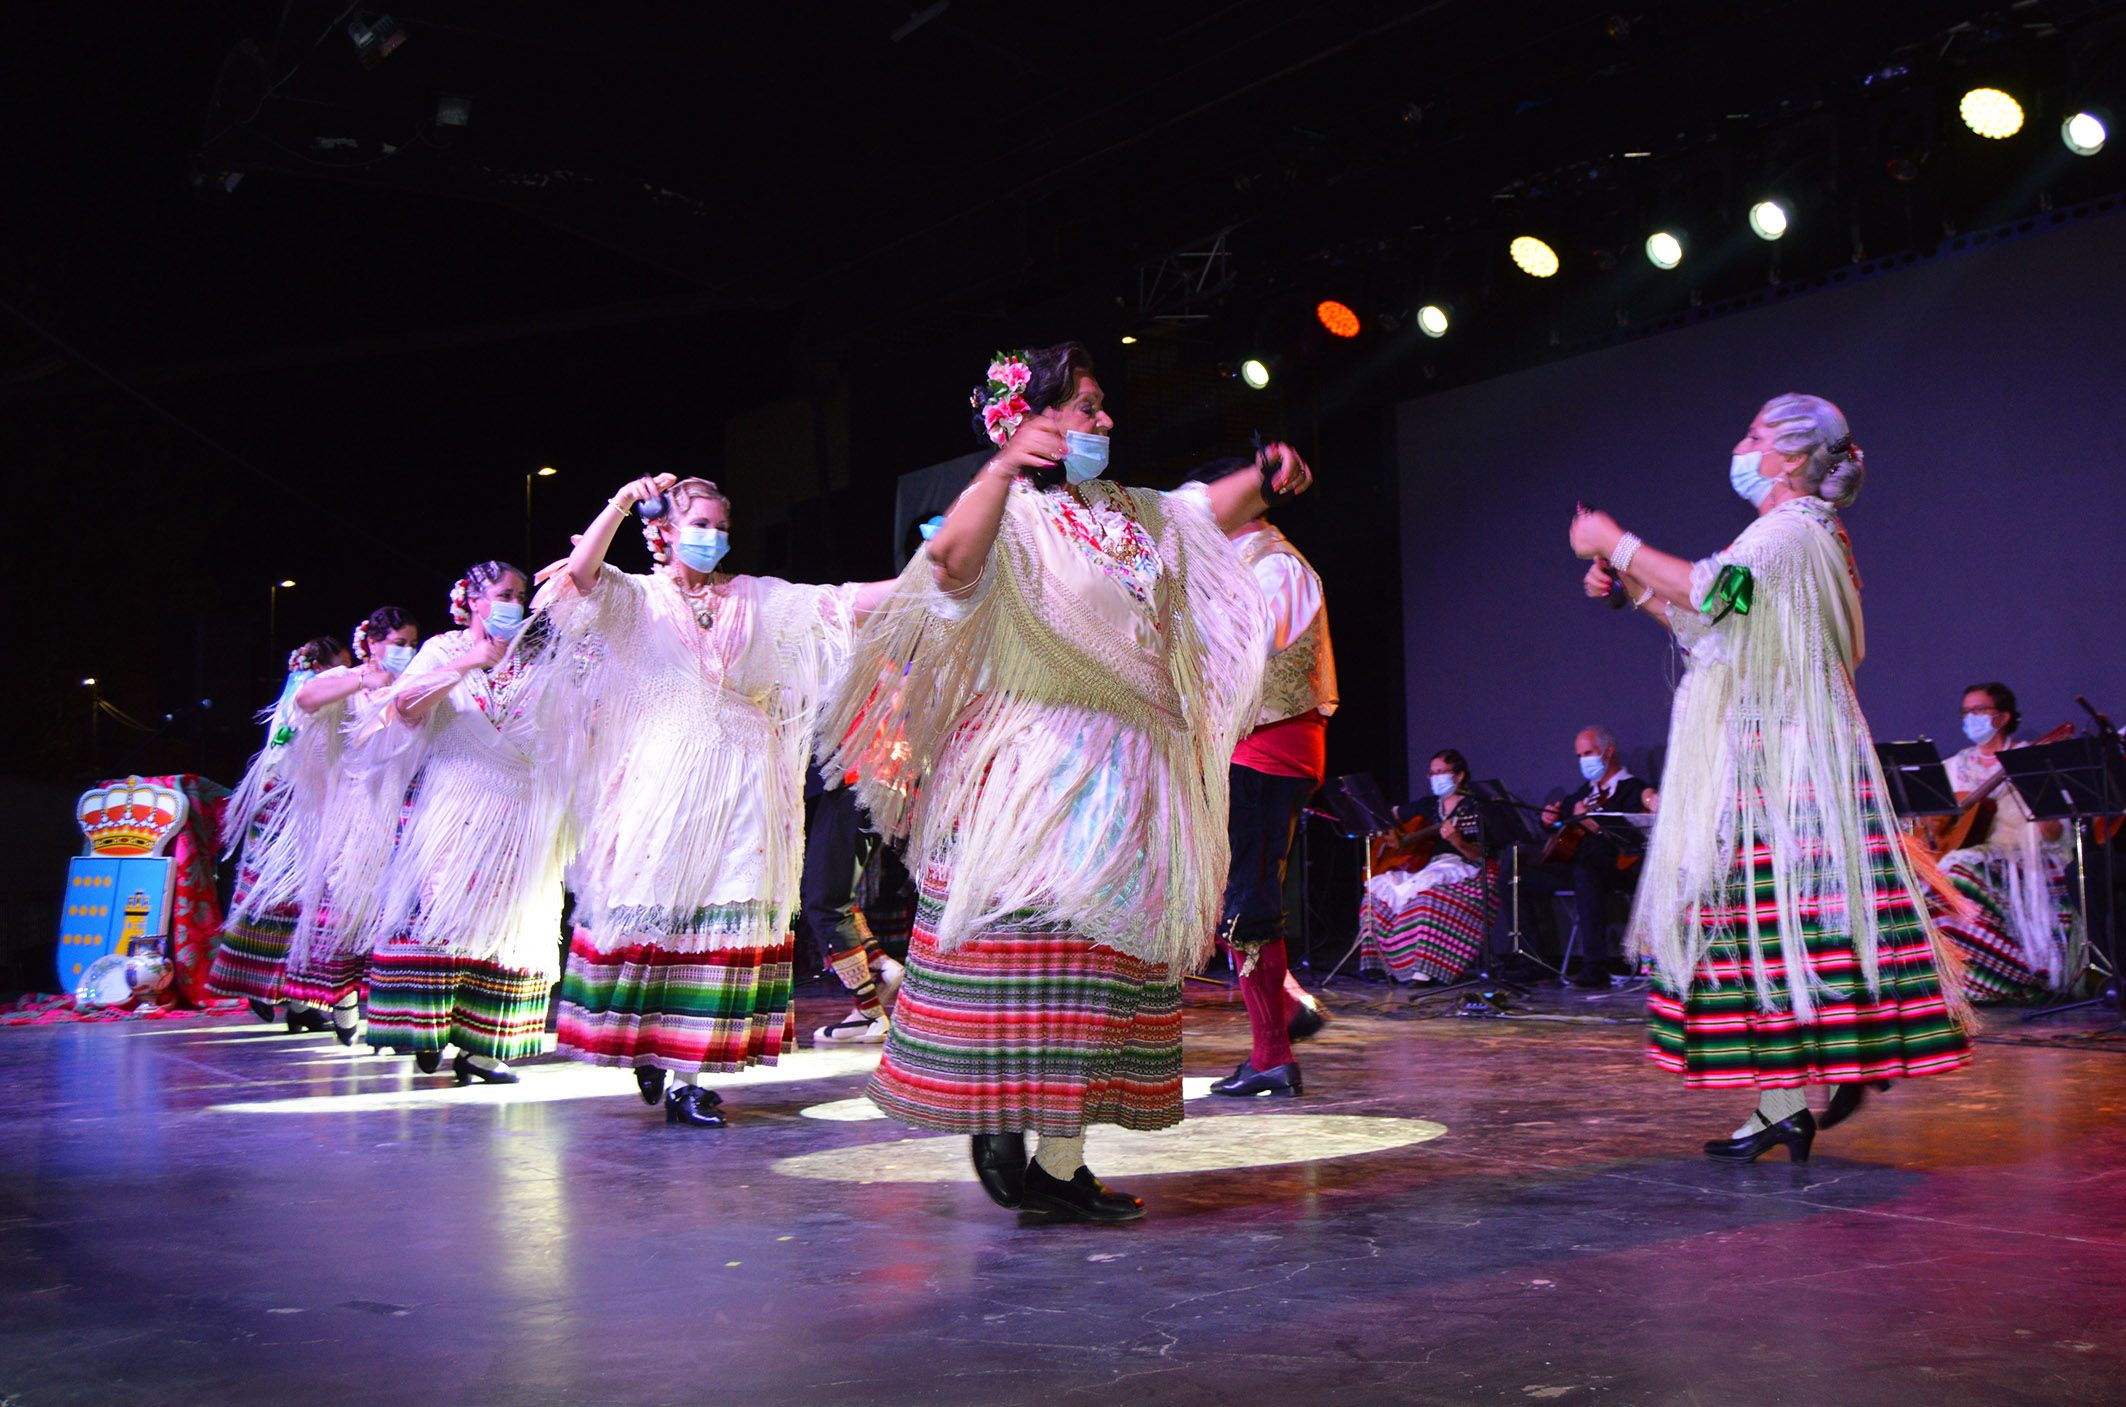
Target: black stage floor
1457,1211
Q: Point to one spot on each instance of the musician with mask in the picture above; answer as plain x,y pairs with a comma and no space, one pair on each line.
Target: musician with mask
1590,858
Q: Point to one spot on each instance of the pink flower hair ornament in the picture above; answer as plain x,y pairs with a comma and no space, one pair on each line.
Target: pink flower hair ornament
359,640
999,399
461,602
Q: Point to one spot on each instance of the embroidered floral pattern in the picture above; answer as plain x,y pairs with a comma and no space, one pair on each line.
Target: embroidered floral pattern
1107,532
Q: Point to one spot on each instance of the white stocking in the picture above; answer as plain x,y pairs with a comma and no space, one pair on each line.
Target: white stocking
1060,1158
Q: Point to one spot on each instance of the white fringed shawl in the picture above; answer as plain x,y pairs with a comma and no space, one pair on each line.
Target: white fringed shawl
477,871
283,792
358,823
1767,744
1063,773
689,794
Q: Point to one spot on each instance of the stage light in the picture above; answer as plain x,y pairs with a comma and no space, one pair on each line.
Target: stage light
1432,320
1533,257
546,471
1337,317
1663,250
1991,113
89,683
287,582
1255,373
375,40
1129,339
2084,134
1768,219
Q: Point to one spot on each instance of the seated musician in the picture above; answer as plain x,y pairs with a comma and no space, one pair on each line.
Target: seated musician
2016,933
1588,857
1449,823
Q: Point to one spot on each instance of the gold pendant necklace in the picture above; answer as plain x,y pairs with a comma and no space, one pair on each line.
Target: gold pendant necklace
700,601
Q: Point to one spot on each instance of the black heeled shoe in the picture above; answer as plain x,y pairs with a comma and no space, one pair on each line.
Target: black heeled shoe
465,1072
343,1034
428,1061
691,1104
301,1019
1279,1081
1846,1101
1083,1198
1796,1132
1000,1165
1305,1022
262,1010
650,1080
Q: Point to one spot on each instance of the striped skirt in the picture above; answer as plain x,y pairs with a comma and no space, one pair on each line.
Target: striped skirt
327,979
425,998
252,959
1029,1029
642,1004
1717,1036
1995,968
1437,935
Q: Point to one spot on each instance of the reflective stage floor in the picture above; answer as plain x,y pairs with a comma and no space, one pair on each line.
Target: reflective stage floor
1457,1211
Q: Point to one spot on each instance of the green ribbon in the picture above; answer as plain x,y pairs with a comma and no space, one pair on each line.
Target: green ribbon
282,736
1732,589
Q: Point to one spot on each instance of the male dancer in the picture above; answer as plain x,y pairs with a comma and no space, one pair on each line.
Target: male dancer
1275,769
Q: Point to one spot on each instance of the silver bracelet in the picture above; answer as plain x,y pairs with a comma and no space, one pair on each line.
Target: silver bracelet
1627,548
617,506
1638,602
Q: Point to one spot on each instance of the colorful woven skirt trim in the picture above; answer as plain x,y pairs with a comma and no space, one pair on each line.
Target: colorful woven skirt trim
1994,967
251,961
327,979
1029,1029
425,999
641,1004
1718,1037
1437,935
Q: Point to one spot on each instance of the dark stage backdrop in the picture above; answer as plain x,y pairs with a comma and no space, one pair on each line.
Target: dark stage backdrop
1985,387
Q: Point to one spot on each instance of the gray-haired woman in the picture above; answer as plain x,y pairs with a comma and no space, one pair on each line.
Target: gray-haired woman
1790,943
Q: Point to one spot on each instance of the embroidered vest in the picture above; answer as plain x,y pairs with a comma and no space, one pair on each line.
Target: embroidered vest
1300,678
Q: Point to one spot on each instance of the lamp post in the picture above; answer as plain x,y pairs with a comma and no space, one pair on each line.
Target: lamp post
544,471
273,614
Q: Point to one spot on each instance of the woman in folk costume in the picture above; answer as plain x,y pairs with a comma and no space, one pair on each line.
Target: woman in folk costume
700,693
251,958
340,820
1788,934
465,931
1061,678
2016,932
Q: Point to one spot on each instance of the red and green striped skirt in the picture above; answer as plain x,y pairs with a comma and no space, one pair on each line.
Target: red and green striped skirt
642,1004
1717,1036
252,957
426,998
1437,935
326,979
1995,969
1028,1028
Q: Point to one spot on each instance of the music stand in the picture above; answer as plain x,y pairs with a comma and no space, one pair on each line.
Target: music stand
1487,992
2074,780
1363,812
1919,783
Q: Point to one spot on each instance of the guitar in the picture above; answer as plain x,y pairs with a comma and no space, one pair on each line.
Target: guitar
1409,846
1570,831
1974,822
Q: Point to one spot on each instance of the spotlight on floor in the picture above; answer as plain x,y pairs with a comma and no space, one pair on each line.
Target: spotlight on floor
1432,320
1767,219
1255,373
1663,250
1533,257
1337,317
2084,134
1991,113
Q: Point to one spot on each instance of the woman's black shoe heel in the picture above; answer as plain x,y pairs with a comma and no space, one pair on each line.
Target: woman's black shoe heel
465,1072
1000,1164
428,1061
1797,1133
1846,1101
650,1080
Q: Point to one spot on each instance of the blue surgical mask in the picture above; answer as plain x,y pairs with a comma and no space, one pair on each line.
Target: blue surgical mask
1742,474
504,619
1592,767
1442,783
702,548
1084,456
397,657
1978,727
